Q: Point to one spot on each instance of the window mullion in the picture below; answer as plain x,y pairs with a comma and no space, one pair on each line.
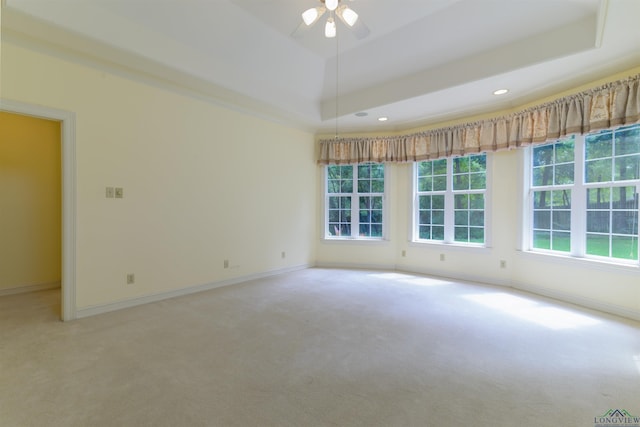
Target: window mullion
449,217
327,196
415,234
355,199
579,201
355,204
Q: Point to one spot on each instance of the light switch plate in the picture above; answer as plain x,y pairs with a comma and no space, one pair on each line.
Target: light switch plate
119,193
109,193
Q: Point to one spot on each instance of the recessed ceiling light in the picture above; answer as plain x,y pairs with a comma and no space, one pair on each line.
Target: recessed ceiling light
383,119
362,114
500,91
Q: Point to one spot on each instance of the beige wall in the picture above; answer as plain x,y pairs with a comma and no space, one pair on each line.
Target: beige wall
30,202
201,183
598,285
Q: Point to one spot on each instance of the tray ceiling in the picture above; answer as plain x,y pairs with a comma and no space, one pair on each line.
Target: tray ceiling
424,61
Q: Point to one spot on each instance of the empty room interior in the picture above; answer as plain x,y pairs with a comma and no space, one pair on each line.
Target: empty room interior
319,213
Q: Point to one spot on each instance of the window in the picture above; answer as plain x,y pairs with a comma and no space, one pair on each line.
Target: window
552,171
355,201
450,200
583,195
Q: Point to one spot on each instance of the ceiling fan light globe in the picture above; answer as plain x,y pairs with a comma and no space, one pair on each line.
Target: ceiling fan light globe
349,16
331,4
330,28
309,16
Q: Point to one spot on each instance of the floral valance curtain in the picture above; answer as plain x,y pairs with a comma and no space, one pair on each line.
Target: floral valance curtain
607,106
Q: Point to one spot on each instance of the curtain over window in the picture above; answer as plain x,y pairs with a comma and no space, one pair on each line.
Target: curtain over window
613,104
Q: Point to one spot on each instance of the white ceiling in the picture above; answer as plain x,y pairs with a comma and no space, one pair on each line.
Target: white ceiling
423,62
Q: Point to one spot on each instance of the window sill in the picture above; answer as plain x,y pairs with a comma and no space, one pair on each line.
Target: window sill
593,263
450,246
354,240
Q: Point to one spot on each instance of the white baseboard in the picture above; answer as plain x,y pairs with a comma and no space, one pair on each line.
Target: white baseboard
454,275
29,288
538,290
119,305
578,300
417,270
356,266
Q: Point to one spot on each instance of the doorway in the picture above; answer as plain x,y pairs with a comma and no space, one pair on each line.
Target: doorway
67,192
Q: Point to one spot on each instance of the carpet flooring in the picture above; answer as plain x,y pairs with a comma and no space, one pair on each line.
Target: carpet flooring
319,347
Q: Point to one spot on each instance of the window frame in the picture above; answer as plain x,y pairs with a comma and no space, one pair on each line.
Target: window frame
449,205
579,207
577,169
355,199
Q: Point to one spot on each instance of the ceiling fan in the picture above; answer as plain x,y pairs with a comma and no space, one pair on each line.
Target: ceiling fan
335,7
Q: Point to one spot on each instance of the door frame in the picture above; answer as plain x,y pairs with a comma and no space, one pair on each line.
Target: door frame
67,121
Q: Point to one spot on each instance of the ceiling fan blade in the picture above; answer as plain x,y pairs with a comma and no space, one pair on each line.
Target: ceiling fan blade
360,30
315,13
350,14
303,27
351,20
311,16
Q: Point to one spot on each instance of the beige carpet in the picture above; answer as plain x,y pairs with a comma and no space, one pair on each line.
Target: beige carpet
319,347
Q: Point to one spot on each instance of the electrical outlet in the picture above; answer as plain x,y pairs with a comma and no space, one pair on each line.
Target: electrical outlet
441,257
226,263
404,253
109,192
283,255
131,279
503,263
119,192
